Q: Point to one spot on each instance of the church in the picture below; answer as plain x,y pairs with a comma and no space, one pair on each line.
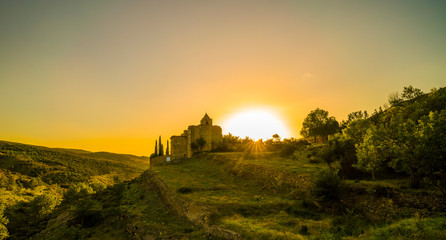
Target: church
198,138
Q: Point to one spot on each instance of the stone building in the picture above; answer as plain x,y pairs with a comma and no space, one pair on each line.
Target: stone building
189,141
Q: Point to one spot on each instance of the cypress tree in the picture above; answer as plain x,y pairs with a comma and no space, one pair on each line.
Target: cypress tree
156,148
167,148
161,150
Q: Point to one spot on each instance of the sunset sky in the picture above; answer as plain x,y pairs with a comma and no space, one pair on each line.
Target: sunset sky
114,75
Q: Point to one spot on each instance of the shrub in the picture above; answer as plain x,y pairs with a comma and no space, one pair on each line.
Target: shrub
303,230
77,191
88,213
184,190
3,221
327,186
349,224
44,204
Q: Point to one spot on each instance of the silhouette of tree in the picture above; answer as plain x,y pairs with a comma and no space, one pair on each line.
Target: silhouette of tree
156,148
167,148
410,92
161,150
319,124
276,137
395,99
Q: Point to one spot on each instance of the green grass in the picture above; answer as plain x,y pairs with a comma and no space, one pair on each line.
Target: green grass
237,203
123,210
299,165
413,228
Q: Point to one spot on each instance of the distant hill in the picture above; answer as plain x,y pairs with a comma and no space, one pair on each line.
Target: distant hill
26,166
35,179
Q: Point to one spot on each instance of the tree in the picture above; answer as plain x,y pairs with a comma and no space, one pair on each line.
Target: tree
410,92
156,148
167,148
200,142
276,137
161,150
3,222
356,127
371,153
43,205
319,124
432,150
395,99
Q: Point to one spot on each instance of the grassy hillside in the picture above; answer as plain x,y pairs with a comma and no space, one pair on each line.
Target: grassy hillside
260,197
34,179
128,210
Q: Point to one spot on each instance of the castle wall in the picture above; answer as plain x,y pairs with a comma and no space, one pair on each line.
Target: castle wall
216,133
178,147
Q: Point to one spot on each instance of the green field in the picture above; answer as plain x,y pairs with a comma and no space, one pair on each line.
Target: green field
239,203
257,208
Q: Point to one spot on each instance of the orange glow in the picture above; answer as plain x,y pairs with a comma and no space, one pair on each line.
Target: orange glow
257,123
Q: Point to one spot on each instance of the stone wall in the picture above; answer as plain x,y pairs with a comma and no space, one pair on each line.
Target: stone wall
178,147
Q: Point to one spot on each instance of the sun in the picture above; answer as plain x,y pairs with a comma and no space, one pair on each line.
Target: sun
256,123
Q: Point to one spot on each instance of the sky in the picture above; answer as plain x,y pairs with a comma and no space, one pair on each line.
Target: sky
109,75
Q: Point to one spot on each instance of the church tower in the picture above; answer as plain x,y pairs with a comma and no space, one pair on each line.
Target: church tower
206,120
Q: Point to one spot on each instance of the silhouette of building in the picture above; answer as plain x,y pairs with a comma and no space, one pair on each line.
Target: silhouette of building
203,137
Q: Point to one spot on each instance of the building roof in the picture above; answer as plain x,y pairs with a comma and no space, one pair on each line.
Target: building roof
206,120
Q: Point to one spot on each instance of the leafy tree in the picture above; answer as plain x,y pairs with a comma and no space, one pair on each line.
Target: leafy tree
432,149
3,222
76,192
43,205
371,153
401,134
340,150
319,124
410,92
395,99
88,212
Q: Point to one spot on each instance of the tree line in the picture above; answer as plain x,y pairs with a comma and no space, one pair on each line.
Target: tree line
159,148
405,136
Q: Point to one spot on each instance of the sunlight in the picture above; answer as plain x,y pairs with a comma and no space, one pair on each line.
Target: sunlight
258,123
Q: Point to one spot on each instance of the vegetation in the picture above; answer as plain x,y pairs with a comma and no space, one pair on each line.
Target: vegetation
34,180
353,184
319,124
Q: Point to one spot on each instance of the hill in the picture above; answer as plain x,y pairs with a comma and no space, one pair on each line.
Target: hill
29,174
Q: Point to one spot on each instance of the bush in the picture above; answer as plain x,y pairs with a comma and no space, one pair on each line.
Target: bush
184,190
303,230
349,224
77,192
43,205
88,213
412,228
3,221
297,210
327,187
